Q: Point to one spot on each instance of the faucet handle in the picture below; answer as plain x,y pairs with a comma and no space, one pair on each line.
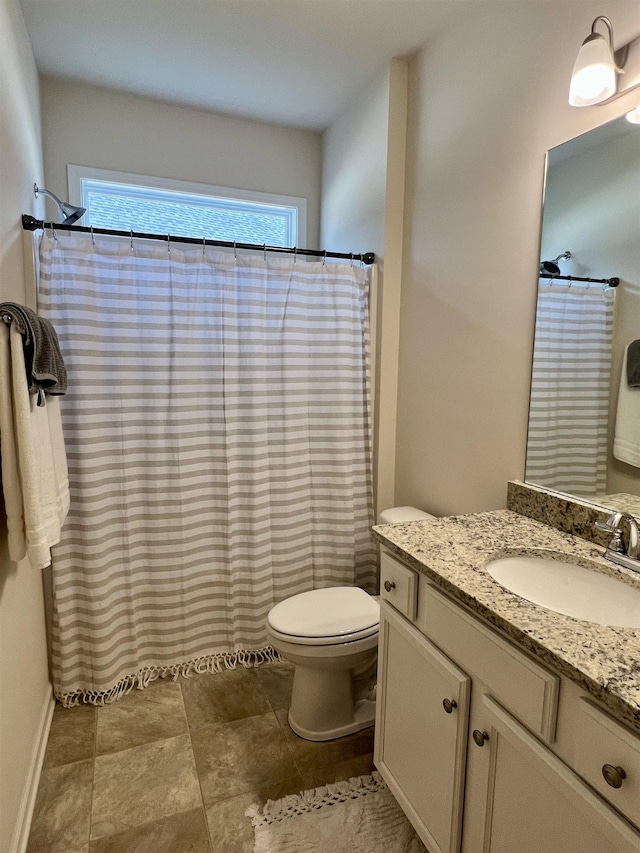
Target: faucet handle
612,525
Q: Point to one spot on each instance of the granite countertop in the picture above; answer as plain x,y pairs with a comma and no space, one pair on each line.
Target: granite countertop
621,501
453,552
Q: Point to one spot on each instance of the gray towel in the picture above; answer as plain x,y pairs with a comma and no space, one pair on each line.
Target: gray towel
633,365
43,360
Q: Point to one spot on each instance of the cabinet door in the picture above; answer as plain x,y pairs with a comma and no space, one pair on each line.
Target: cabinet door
535,803
420,748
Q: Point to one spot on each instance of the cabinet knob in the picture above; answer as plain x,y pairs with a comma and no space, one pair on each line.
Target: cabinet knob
613,776
389,585
480,737
449,705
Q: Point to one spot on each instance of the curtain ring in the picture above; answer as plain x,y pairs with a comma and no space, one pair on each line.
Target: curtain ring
264,252
169,243
53,232
351,258
324,257
235,251
93,239
204,244
131,239
295,254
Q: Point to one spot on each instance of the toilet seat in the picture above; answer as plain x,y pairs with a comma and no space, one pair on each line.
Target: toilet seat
324,641
324,617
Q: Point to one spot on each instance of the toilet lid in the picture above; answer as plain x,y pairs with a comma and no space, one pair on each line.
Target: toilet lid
333,612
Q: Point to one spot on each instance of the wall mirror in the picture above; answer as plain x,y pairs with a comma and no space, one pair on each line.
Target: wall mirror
584,415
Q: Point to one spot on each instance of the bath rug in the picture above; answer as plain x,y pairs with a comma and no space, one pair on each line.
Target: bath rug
356,816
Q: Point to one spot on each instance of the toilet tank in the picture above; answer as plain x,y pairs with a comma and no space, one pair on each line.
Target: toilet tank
396,514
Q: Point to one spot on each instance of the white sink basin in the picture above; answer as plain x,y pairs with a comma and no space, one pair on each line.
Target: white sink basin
570,589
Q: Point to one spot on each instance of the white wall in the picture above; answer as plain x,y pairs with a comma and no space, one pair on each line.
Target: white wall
363,185
89,126
25,693
354,161
487,99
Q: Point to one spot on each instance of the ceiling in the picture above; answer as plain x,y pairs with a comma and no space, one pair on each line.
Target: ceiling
292,62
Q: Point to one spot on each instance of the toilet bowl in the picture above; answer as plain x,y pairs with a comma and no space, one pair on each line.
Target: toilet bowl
331,637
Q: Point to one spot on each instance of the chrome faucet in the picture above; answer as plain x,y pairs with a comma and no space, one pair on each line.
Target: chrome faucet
616,551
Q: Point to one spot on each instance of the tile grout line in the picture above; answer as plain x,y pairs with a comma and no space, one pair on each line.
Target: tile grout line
274,711
128,829
301,775
93,775
289,747
204,808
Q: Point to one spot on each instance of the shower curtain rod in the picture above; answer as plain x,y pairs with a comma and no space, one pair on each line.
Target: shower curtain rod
612,282
29,223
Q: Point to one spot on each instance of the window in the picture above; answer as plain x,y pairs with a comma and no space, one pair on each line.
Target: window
161,206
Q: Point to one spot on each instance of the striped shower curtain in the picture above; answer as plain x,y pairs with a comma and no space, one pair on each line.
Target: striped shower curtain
217,427
569,410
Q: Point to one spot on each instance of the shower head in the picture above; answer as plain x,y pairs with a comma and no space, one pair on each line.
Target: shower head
67,212
552,266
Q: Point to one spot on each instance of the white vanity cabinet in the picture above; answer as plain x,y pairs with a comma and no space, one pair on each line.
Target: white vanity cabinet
476,741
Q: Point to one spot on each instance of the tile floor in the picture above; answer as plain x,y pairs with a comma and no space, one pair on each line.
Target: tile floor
171,769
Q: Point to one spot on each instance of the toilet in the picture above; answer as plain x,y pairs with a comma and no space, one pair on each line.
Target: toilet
331,637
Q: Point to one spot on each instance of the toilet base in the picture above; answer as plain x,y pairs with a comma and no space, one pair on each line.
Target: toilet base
331,694
364,715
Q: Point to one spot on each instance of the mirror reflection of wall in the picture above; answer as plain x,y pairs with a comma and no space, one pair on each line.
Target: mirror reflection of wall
591,209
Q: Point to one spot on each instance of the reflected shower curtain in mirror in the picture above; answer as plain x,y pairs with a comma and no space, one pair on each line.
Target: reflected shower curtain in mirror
569,410
218,435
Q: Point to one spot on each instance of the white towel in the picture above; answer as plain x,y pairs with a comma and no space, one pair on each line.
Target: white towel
34,465
626,442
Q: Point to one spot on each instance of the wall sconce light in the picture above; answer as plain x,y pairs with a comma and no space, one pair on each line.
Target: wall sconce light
594,73
598,68
634,116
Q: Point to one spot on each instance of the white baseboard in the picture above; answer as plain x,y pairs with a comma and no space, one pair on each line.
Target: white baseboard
28,800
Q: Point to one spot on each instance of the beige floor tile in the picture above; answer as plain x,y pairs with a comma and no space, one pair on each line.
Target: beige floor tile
143,784
222,697
309,754
241,756
62,811
277,790
147,795
229,828
326,774
181,833
142,716
72,736
276,681
83,849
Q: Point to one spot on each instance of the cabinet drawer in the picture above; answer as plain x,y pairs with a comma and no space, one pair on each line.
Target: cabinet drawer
527,689
600,741
398,585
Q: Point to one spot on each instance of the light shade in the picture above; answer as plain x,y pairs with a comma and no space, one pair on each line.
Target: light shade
634,116
594,73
